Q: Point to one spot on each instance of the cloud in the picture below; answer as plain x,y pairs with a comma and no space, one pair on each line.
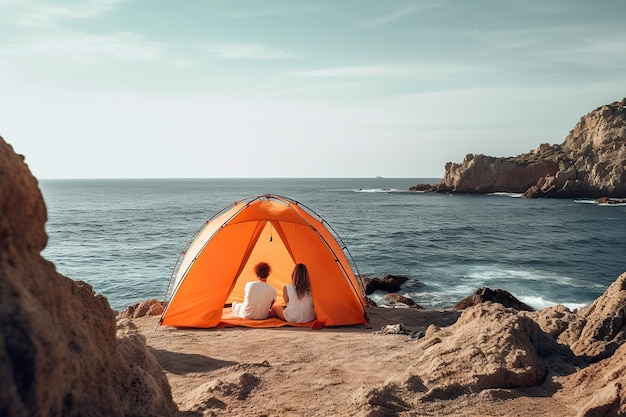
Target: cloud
576,46
362,71
47,14
398,14
182,63
121,46
246,51
265,12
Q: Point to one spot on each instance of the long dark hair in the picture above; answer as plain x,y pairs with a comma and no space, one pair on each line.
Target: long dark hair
300,280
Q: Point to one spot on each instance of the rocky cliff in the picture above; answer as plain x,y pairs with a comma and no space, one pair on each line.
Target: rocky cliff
590,163
59,354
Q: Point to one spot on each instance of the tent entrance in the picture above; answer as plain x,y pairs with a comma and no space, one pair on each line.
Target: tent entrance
266,246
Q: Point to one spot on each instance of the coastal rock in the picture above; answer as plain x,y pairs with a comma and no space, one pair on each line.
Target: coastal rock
489,347
59,354
600,388
554,320
590,163
151,307
609,201
487,174
599,329
390,283
495,296
422,187
395,298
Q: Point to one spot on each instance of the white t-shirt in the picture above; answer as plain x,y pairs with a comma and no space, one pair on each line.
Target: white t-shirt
299,310
258,298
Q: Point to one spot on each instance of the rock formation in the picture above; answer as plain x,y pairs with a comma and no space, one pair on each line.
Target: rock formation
601,387
590,163
488,347
59,354
394,299
491,350
485,294
596,333
498,353
151,307
390,283
593,332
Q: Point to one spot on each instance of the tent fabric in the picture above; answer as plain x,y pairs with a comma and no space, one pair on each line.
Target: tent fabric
220,260
229,321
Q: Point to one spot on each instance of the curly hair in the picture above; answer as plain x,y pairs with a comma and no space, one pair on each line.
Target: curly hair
262,269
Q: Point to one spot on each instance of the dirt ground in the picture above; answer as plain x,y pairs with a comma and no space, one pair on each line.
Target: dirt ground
349,370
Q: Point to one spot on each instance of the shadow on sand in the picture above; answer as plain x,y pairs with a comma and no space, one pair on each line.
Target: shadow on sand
184,363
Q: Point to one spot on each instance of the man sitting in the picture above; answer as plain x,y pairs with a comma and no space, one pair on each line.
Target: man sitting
258,296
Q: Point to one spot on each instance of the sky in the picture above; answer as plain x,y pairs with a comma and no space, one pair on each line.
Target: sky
293,88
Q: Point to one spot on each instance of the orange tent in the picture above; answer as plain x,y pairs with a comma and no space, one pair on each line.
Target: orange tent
219,260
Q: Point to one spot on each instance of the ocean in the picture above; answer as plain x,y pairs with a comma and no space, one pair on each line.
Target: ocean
124,236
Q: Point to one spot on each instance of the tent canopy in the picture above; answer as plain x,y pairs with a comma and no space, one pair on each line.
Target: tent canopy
220,260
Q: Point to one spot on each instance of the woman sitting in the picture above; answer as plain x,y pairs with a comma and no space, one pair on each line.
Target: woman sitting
298,300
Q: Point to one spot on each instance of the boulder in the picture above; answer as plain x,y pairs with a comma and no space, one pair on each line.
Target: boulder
495,296
395,298
606,200
422,187
489,347
599,329
554,320
59,354
600,388
390,283
151,307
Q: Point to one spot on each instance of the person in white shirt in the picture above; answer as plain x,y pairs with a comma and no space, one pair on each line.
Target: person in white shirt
298,299
259,296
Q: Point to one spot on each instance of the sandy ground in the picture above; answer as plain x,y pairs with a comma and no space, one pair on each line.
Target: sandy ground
329,372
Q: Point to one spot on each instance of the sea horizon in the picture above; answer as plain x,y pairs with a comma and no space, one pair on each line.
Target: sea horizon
123,236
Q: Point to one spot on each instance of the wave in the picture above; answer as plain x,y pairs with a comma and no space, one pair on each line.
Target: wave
539,303
503,194
379,190
612,204
497,273
585,201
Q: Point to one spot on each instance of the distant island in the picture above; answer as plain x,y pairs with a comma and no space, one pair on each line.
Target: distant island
590,163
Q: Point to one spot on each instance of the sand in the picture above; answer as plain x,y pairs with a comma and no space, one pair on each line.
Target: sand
351,370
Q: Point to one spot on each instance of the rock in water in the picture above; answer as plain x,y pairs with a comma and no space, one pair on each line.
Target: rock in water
485,294
390,283
59,354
